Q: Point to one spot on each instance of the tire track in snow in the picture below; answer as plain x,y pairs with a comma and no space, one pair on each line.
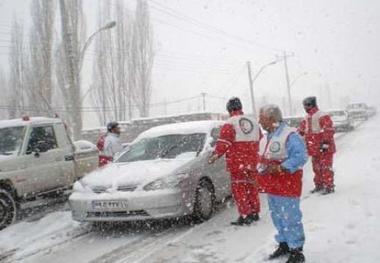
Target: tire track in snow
140,249
23,257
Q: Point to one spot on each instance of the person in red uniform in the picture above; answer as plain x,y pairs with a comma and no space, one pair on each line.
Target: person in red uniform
318,132
109,144
239,141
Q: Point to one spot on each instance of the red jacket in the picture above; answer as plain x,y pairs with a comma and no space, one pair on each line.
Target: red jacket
317,129
240,155
282,184
275,153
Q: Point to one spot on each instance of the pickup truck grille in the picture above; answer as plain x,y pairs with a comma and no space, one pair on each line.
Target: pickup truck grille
122,188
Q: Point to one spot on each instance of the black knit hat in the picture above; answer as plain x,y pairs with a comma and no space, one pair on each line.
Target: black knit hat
234,104
112,125
310,102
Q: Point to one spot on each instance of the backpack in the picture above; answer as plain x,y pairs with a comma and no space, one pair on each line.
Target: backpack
100,142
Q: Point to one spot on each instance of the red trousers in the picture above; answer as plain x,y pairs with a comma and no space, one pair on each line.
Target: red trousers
245,193
323,170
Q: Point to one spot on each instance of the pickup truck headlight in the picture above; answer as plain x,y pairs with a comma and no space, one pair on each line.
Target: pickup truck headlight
169,182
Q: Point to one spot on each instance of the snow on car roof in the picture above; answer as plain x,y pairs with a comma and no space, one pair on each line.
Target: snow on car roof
33,120
181,128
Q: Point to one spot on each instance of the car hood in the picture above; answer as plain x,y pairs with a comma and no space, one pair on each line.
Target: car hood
133,173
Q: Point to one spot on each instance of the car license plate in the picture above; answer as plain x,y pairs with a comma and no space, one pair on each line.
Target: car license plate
109,204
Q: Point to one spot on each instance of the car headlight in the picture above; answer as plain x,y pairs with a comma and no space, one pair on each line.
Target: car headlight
168,182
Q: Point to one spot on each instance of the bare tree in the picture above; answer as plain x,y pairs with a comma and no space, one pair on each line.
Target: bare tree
111,90
40,66
142,57
69,57
17,94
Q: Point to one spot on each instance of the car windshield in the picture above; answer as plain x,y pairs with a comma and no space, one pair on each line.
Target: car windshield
11,140
165,147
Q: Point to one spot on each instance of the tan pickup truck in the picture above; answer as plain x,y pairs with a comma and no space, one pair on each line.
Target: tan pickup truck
37,158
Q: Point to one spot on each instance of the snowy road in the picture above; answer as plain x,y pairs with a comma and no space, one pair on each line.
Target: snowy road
342,227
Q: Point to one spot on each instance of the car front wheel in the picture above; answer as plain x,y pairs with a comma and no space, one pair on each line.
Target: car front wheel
8,209
204,201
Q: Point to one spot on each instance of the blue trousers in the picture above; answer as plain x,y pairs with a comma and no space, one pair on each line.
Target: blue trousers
286,216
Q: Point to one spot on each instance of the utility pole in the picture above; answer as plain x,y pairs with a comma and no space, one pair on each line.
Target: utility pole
251,89
204,101
288,85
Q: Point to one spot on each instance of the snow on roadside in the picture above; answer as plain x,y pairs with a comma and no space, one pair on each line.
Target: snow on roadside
344,227
26,238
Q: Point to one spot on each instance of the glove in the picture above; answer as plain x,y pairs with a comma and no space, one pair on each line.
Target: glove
324,147
261,168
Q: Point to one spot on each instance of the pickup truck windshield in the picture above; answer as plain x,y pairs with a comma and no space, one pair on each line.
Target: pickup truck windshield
167,146
11,140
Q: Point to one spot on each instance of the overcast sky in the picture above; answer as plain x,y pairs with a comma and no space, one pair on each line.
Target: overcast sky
334,44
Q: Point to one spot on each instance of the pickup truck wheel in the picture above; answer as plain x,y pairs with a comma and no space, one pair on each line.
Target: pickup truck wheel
8,209
204,202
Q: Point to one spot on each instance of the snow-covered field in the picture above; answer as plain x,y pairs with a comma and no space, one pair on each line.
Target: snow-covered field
342,227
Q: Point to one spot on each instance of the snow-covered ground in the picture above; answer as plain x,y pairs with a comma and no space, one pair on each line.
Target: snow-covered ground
342,227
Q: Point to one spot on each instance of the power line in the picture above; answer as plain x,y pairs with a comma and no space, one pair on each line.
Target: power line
178,15
232,81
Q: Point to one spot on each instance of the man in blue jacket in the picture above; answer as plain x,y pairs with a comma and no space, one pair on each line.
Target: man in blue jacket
281,165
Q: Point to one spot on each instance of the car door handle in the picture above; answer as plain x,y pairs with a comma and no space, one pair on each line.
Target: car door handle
69,158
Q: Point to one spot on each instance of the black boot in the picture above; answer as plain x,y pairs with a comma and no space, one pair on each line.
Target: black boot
252,218
328,190
316,189
281,250
239,222
296,256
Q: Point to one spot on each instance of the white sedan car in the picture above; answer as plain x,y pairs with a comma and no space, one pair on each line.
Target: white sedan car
341,120
164,173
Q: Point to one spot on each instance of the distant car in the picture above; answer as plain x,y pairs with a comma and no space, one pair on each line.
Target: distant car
293,121
341,120
163,174
358,111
